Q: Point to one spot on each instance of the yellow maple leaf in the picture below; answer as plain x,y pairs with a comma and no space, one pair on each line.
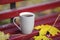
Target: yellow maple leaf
53,31
47,28
41,38
4,36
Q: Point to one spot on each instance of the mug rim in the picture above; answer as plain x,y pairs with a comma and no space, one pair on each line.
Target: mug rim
24,13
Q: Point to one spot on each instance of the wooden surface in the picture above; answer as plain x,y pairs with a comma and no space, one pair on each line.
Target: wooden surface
17,35
8,1
15,12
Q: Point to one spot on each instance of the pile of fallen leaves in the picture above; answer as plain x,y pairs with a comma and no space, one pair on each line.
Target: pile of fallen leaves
43,29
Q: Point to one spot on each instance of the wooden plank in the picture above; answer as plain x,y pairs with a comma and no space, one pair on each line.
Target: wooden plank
8,1
11,28
15,12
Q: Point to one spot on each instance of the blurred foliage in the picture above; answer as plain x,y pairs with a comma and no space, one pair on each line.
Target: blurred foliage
4,21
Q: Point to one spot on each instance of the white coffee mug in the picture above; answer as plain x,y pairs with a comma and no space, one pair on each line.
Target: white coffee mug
26,22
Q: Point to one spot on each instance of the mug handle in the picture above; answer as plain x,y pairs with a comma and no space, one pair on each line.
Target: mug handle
16,24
